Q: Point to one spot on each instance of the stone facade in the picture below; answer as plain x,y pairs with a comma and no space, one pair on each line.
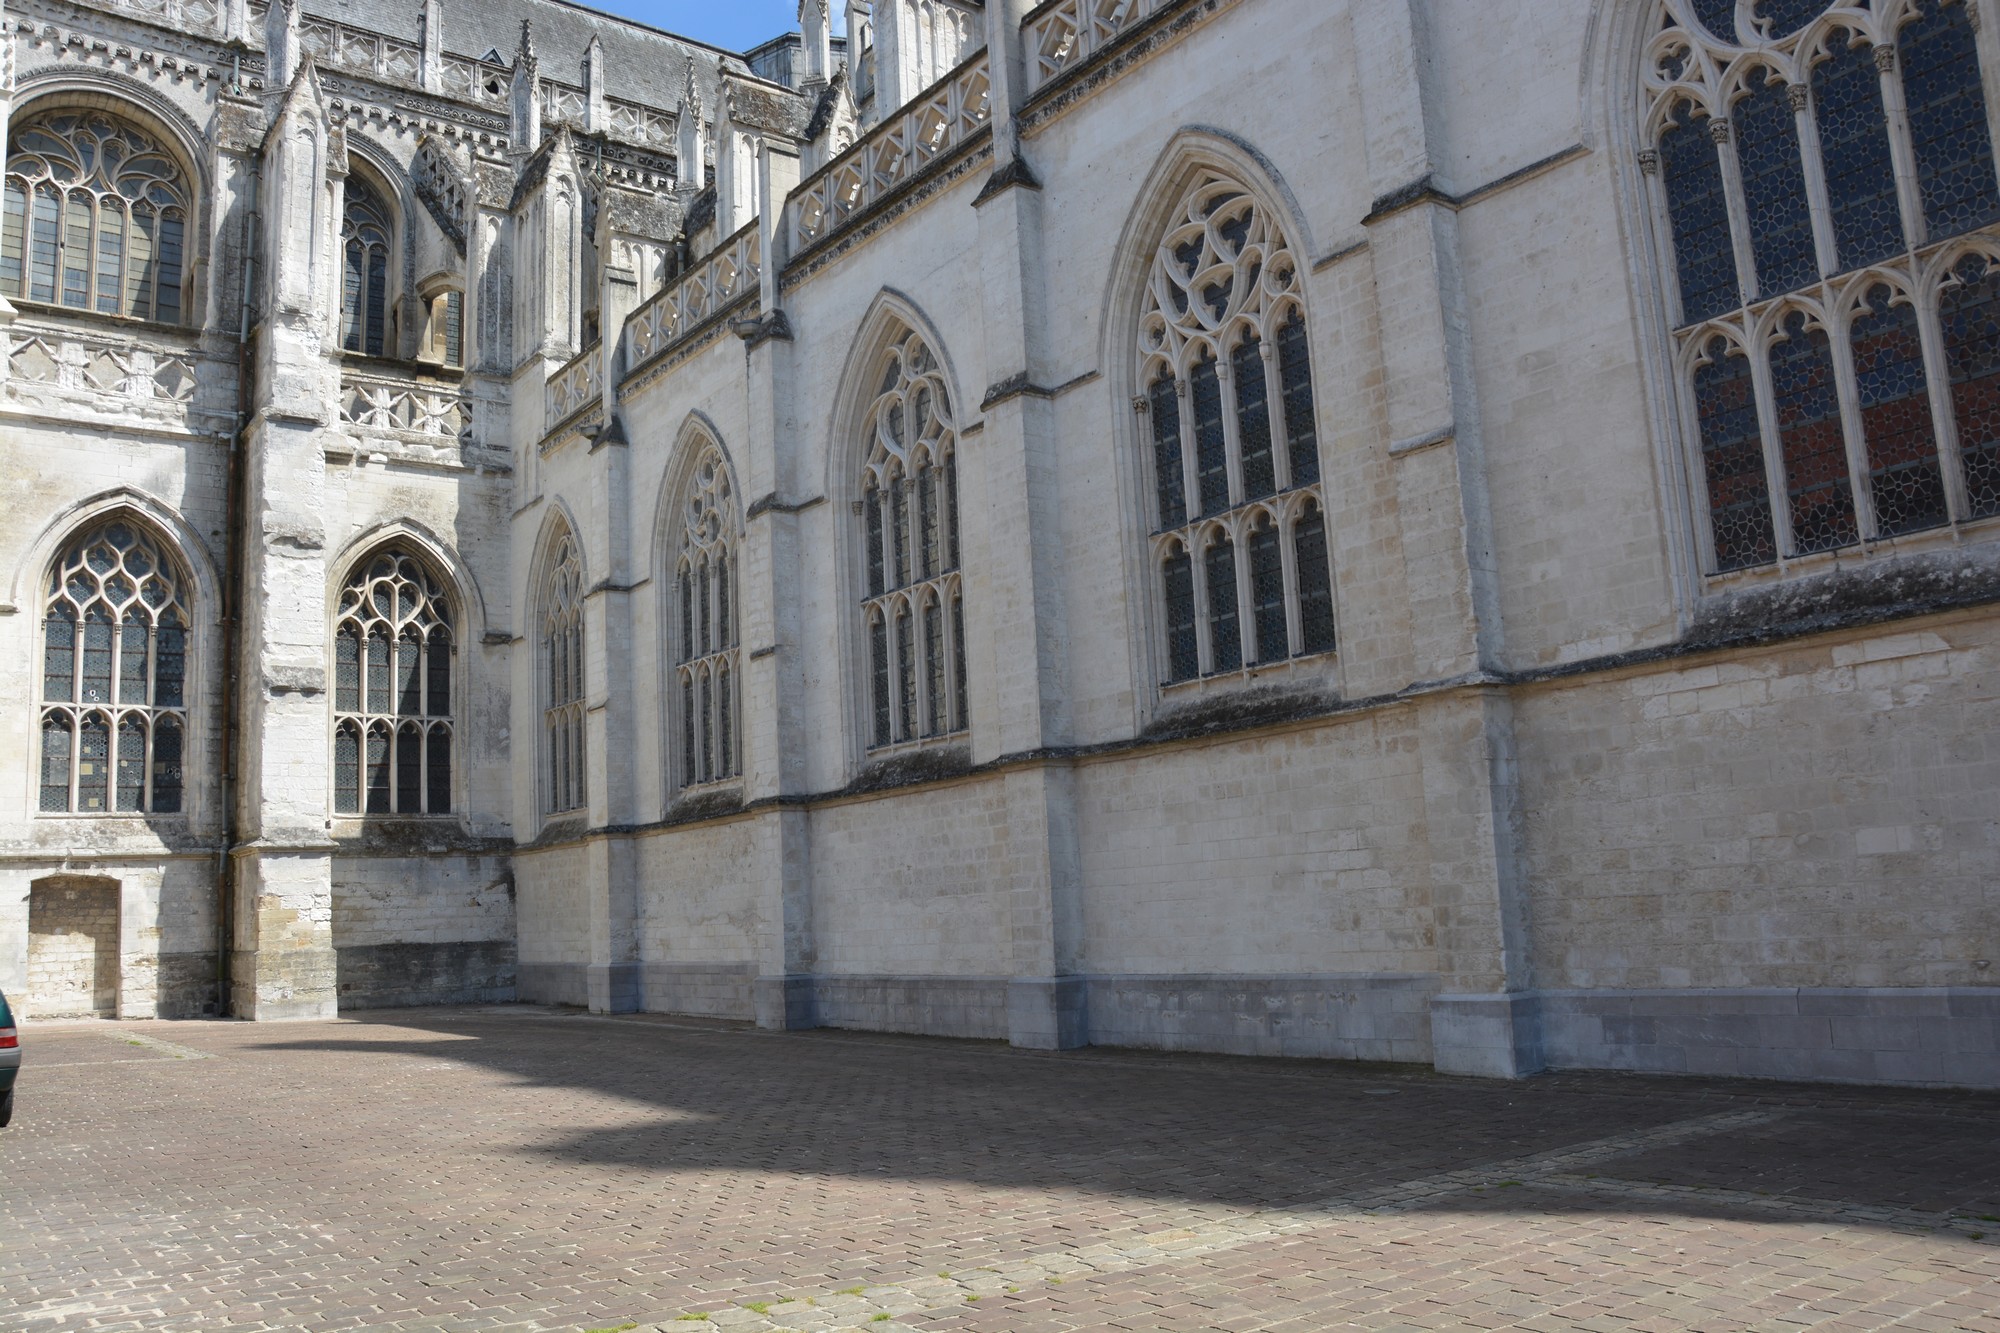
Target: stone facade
1423,707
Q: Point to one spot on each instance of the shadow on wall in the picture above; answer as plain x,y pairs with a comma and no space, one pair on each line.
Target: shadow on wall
1204,1129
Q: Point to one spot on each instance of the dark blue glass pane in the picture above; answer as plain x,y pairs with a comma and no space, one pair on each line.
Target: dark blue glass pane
1211,456
1774,190
1948,120
1782,18
1183,662
1854,145
1809,436
1732,456
1718,16
1225,634
1315,583
1903,472
1164,408
1969,307
1703,259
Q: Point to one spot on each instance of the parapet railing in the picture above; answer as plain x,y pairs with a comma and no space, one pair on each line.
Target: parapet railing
430,409
730,270
184,15
1065,33
105,368
944,116
578,383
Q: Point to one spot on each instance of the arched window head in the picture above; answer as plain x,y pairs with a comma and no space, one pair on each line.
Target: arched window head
562,677
703,622
365,235
394,647
912,604
114,676
1810,272
94,217
1233,442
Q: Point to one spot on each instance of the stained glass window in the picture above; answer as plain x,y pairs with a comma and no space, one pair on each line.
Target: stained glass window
917,651
394,629
1854,145
1846,413
707,652
563,718
1970,307
109,213
1774,189
1947,111
114,663
1704,257
1225,634
365,234
1732,453
1904,476
1224,337
1811,444
1164,413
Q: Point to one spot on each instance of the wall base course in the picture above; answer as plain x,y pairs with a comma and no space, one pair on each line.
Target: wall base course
384,976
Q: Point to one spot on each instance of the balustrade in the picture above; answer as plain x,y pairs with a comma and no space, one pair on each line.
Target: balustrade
576,384
946,115
731,269
432,410
108,371
1068,32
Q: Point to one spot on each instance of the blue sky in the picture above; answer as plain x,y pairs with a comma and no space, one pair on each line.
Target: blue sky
736,24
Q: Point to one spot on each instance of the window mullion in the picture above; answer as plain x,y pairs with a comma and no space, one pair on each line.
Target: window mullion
1902,153
953,650
1246,592
1722,129
1986,40
1774,449
1288,561
1806,126
1274,407
1847,392
1204,649
1190,468
1232,428
1937,383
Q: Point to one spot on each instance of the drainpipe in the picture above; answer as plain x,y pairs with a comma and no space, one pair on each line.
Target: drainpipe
232,593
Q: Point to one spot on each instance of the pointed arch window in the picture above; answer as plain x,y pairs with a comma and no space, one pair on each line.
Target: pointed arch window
365,233
394,648
562,669
1815,282
913,609
1240,546
707,668
94,216
114,676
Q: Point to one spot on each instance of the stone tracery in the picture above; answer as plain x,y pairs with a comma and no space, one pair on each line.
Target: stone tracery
914,603
1800,251
94,217
704,625
393,651
114,676
1240,540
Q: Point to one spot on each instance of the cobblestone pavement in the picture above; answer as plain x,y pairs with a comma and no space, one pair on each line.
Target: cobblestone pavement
525,1170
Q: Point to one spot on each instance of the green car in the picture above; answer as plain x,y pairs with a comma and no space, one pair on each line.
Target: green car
10,1061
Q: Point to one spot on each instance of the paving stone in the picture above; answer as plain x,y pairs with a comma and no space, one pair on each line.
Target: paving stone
515,1171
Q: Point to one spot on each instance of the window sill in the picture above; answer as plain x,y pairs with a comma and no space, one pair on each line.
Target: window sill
1876,551
37,312
1306,664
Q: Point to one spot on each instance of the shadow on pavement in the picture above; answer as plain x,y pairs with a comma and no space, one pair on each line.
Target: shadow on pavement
1200,1129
